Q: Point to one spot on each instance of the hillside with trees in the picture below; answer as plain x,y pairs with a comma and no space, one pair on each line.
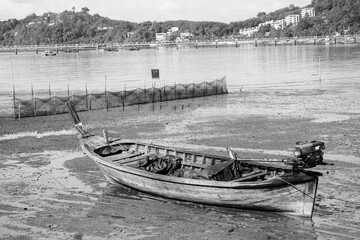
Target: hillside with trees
70,26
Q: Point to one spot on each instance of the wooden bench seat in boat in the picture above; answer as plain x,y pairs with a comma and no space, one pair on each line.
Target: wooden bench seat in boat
122,156
252,176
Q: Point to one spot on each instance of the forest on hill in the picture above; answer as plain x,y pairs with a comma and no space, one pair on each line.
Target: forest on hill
70,26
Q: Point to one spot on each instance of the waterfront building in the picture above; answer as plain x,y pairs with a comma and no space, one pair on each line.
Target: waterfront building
185,35
249,31
160,37
173,30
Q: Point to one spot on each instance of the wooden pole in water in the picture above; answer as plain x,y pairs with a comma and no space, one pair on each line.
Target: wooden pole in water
175,90
106,100
319,71
68,89
86,94
216,87
90,100
138,97
13,88
54,99
144,90
165,95
49,89
124,96
19,111
34,99
32,89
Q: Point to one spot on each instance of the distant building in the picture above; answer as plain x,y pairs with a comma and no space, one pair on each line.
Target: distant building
275,24
249,31
292,19
104,28
279,24
173,30
309,12
185,35
160,37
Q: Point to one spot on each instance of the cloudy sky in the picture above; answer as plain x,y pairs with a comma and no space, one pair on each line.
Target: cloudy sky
143,10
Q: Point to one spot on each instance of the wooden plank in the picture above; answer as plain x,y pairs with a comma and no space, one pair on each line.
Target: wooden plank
133,159
251,177
194,164
115,158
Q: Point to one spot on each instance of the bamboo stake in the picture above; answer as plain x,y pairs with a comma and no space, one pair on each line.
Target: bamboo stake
13,88
90,100
19,111
68,89
106,100
175,90
86,94
32,89
54,97
49,89
124,96
138,97
319,70
34,99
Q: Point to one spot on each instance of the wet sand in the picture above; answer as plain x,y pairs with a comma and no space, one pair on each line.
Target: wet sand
50,190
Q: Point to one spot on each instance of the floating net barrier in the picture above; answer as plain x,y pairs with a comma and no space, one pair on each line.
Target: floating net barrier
108,99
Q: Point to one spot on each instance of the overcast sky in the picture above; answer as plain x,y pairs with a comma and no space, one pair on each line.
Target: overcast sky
149,10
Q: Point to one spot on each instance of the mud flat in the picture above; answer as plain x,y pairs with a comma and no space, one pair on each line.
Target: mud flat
50,190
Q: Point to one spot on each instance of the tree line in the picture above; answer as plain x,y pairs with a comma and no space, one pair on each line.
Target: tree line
70,26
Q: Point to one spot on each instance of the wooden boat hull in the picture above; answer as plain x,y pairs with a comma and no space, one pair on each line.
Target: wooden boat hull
217,180
293,194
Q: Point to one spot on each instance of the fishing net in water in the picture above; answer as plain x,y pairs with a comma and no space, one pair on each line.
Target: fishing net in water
108,99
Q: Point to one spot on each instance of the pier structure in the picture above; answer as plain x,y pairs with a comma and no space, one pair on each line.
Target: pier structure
194,43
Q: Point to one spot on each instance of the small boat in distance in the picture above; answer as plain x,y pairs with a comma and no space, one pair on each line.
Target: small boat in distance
49,53
268,185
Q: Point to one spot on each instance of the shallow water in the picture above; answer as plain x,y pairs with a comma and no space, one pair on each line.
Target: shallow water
245,66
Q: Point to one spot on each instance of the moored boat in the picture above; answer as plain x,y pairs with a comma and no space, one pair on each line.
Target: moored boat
49,53
185,175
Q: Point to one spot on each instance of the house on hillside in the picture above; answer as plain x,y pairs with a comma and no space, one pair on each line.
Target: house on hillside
307,12
185,35
173,30
249,31
160,37
275,24
292,19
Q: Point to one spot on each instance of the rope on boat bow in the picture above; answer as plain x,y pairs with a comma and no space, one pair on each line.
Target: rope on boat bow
292,185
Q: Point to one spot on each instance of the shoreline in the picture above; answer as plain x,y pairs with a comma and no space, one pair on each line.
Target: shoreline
305,40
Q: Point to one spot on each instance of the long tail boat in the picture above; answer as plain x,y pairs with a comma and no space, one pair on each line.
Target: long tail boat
170,172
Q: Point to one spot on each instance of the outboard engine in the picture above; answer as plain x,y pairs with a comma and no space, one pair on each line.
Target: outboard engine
309,154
